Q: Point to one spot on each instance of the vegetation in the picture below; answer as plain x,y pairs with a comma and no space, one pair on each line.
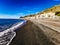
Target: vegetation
55,9
31,15
21,17
57,13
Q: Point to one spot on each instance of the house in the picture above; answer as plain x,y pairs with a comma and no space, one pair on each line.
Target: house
47,15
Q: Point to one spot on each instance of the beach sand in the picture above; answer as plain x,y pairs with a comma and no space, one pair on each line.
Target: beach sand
30,34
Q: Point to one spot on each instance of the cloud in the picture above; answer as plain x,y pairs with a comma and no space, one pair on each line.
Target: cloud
29,11
16,16
21,14
8,16
36,12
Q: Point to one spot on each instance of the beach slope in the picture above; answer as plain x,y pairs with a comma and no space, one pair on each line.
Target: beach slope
30,34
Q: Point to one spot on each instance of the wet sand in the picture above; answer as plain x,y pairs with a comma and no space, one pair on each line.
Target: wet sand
30,34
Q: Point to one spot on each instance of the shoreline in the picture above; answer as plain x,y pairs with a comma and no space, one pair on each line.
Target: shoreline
30,34
7,32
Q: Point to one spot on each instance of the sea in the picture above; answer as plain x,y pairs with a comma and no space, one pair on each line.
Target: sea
7,23
7,27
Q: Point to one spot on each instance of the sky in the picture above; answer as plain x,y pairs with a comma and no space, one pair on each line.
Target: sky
17,8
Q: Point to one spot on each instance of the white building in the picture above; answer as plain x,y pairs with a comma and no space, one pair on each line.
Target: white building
48,15
32,17
37,16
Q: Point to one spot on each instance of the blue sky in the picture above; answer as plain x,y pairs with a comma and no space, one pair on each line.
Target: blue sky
17,8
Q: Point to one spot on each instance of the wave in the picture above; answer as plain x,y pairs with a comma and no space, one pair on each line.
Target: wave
6,36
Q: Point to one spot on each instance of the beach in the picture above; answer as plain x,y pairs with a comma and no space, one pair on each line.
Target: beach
29,22
30,34
50,27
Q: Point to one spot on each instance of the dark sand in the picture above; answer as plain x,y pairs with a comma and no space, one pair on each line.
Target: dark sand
30,34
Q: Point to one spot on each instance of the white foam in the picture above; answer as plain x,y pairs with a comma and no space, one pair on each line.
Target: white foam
11,39
12,30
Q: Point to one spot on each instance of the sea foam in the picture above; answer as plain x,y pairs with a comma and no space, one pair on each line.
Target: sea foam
7,35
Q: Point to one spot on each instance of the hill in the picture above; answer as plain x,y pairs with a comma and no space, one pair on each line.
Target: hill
53,9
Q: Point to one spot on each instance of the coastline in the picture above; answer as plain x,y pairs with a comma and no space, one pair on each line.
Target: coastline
30,34
10,33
